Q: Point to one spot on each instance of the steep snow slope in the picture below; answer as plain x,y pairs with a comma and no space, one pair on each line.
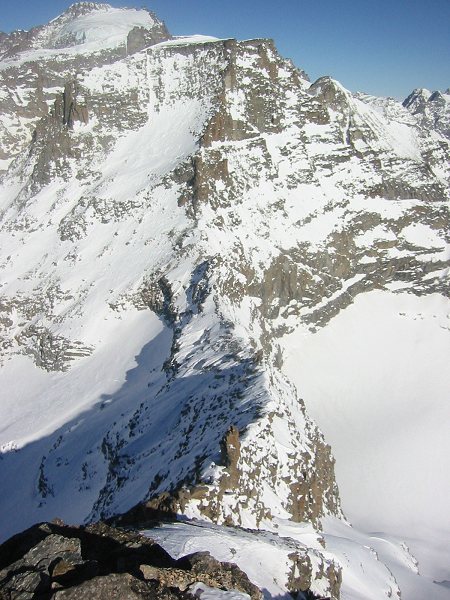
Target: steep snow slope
175,224
110,239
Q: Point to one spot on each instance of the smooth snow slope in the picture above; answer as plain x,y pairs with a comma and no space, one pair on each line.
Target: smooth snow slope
106,28
376,379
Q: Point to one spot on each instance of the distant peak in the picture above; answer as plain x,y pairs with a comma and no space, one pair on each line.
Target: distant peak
79,9
421,97
438,96
417,99
98,26
423,92
330,90
328,81
86,7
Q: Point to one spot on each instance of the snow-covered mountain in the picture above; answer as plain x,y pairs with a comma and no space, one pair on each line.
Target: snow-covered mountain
431,108
194,237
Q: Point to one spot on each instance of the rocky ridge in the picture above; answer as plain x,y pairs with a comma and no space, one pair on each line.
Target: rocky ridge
57,149
53,560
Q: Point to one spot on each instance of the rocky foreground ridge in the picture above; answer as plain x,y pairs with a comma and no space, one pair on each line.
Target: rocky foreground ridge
53,560
172,209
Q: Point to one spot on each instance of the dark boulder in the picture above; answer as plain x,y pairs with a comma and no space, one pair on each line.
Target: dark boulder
53,560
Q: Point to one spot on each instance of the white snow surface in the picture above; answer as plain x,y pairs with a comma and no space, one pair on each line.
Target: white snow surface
374,566
38,403
103,28
181,40
376,380
204,592
420,234
262,555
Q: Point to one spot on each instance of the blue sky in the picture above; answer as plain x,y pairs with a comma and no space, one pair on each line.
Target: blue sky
383,47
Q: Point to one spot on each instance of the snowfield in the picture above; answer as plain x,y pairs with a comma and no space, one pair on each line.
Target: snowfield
376,381
374,566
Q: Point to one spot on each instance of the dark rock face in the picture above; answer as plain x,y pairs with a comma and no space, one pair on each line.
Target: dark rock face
230,451
118,586
140,37
50,352
301,576
72,111
53,560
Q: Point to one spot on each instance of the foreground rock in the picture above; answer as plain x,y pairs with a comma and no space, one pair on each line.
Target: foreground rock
53,560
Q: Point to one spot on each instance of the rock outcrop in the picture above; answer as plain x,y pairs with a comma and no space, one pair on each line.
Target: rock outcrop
53,560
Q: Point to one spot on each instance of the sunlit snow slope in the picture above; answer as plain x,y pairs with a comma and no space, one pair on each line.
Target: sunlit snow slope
377,382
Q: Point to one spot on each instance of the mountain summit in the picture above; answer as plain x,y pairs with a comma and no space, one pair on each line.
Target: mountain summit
88,27
432,108
194,237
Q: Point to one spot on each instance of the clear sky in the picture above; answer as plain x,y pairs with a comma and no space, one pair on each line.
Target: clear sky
383,47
